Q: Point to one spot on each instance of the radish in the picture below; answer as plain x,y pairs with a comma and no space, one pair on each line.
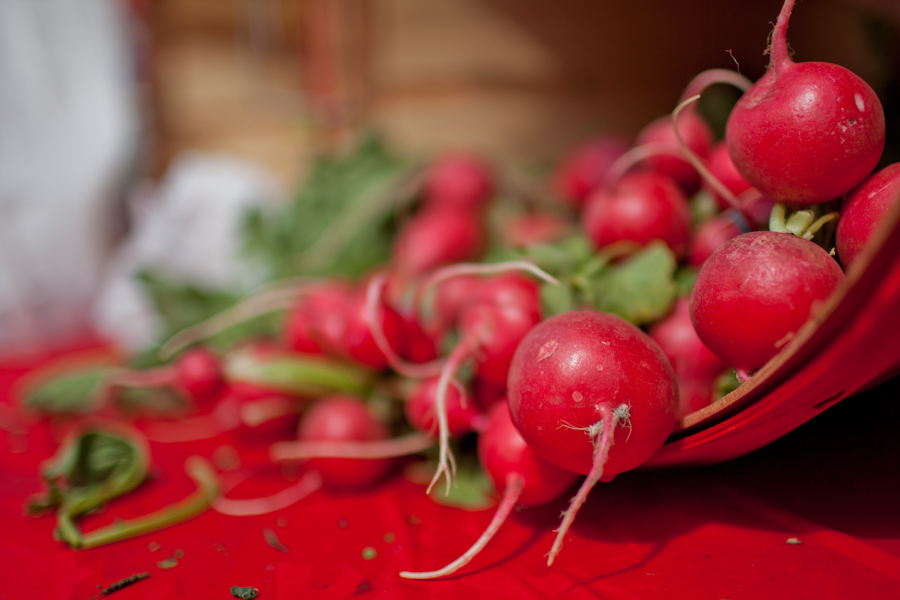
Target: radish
722,168
344,418
449,297
358,341
435,237
530,229
492,322
332,319
584,169
420,407
695,365
198,372
316,322
755,291
457,181
520,475
709,235
808,132
640,207
862,211
696,135
578,376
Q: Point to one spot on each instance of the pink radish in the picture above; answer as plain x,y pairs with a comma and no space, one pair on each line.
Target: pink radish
584,169
709,235
520,475
755,291
695,366
358,341
534,228
640,207
316,322
491,323
420,407
863,210
436,237
575,379
722,168
342,418
458,181
807,132
198,372
696,135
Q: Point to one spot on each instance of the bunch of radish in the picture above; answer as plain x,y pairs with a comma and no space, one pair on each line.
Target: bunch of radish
475,328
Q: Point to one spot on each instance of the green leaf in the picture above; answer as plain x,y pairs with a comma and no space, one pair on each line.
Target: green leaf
340,222
562,258
473,489
182,304
245,593
67,393
641,288
684,280
556,299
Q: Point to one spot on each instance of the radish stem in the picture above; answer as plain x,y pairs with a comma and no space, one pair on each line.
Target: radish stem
401,446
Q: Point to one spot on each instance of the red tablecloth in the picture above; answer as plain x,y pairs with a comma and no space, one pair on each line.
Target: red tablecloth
715,532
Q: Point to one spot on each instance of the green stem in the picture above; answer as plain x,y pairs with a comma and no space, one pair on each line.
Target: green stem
799,222
777,218
207,490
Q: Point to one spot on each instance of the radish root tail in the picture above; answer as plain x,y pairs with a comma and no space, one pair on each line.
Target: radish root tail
446,462
514,486
608,421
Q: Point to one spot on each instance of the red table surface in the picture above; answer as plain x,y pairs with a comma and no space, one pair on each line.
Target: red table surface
713,532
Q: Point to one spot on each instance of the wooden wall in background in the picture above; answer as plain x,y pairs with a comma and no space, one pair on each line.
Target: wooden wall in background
519,80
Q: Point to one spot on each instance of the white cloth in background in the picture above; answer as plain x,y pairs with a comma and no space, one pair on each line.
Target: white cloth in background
70,134
187,229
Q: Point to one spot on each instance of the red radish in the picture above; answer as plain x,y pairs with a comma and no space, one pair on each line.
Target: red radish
436,237
584,169
532,229
449,296
808,132
358,341
503,309
419,346
757,208
520,475
491,323
341,418
722,168
462,416
487,394
697,136
755,291
199,373
862,211
317,322
640,207
459,182
709,235
695,366
299,330
578,376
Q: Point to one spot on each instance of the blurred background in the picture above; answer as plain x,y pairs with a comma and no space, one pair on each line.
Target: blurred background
134,132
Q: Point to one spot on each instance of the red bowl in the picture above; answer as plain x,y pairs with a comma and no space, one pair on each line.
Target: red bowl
848,346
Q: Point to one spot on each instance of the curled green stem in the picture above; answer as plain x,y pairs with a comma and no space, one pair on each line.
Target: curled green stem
207,490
